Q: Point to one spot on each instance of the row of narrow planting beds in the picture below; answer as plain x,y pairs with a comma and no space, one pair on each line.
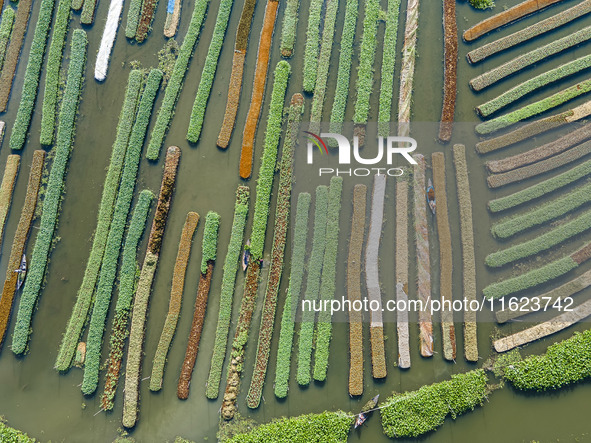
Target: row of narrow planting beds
296,276
407,69
282,214
32,74
257,238
258,89
539,28
535,108
534,128
53,193
144,287
236,76
541,330
538,276
525,305
173,14
445,255
312,44
423,259
354,290
108,40
6,189
327,284
127,287
13,51
372,277
20,240
289,27
541,152
133,18
209,249
365,71
341,95
468,259
208,73
306,339
176,298
450,67
401,265
540,189
415,413
175,83
52,73
505,17
145,23
227,292
330,18
333,427
543,213
5,32
523,61
534,84
554,237
105,215
564,363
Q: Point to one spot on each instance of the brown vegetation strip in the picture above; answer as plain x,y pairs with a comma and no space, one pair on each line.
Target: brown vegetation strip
144,26
2,127
502,18
258,89
20,239
354,290
19,28
445,256
10,172
235,86
450,69
402,271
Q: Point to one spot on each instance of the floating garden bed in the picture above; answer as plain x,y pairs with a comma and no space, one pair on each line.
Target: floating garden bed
6,189
173,15
5,32
312,44
145,22
108,40
401,264
407,71
289,27
133,18
450,67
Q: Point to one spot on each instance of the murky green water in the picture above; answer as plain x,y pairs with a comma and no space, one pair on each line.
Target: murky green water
33,397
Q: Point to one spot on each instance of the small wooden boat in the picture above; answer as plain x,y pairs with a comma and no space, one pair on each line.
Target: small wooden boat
431,196
366,411
246,255
22,272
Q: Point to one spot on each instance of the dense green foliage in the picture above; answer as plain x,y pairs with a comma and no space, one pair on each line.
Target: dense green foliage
326,427
52,73
210,239
133,18
543,213
87,15
482,4
11,435
53,192
312,45
32,74
208,74
563,363
5,31
105,215
417,412
267,170
298,256
175,83
289,27
227,292
367,54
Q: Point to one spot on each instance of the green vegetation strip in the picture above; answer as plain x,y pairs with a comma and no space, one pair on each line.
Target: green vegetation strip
328,282
543,213
407,69
312,285
563,363
52,73
127,286
337,114
326,427
145,23
530,32
415,413
289,27
5,31
282,214
521,62
144,287
227,292
87,15
133,17
12,435
388,64
535,108
6,189
175,83
53,192
298,256
105,215
312,45
209,69
32,74
533,84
